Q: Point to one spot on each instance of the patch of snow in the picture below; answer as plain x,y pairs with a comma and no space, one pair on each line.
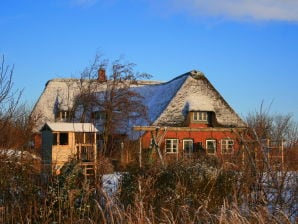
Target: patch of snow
199,103
110,183
18,154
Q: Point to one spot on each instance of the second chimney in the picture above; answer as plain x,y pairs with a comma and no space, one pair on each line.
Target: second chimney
102,75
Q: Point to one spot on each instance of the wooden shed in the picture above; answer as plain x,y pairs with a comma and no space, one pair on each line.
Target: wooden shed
62,141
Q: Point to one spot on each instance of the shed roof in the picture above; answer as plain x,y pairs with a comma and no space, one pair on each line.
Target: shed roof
69,127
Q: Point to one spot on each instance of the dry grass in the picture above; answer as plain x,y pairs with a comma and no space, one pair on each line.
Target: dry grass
184,192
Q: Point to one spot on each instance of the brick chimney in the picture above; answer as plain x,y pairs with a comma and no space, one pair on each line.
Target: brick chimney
102,75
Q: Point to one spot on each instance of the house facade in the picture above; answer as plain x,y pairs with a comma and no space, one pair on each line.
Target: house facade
196,120
185,115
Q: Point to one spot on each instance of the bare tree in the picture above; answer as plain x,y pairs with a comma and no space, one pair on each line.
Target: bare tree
9,99
276,127
15,118
105,88
272,176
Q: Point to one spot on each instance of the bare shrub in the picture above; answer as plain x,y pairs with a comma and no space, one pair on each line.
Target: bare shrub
185,183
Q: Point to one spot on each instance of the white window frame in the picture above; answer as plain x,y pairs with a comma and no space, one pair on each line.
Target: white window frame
188,140
63,115
201,116
214,145
227,146
173,145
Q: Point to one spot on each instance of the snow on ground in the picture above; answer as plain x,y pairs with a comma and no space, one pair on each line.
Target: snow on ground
110,183
16,153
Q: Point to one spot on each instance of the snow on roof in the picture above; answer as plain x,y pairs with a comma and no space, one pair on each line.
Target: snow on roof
199,103
196,93
70,127
167,102
157,97
60,93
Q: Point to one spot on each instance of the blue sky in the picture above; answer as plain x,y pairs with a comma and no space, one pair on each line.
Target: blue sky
247,49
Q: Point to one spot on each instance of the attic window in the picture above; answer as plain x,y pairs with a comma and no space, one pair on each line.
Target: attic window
98,115
63,115
200,116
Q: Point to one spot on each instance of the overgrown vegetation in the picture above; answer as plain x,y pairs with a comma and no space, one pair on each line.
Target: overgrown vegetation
186,191
201,190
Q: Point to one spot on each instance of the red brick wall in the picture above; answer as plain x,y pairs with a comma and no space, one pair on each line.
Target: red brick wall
196,136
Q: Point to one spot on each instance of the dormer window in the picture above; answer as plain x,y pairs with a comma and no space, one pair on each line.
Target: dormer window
64,115
200,116
98,115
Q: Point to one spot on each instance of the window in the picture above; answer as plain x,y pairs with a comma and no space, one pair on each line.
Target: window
188,146
84,138
171,146
64,115
87,154
60,138
227,146
200,116
63,140
211,146
98,115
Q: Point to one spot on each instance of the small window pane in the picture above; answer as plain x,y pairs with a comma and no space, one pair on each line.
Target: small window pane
227,146
188,146
63,139
175,145
211,146
200,116
168,145
171,145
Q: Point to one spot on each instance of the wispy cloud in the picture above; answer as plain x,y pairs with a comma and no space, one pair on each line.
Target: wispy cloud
266,10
